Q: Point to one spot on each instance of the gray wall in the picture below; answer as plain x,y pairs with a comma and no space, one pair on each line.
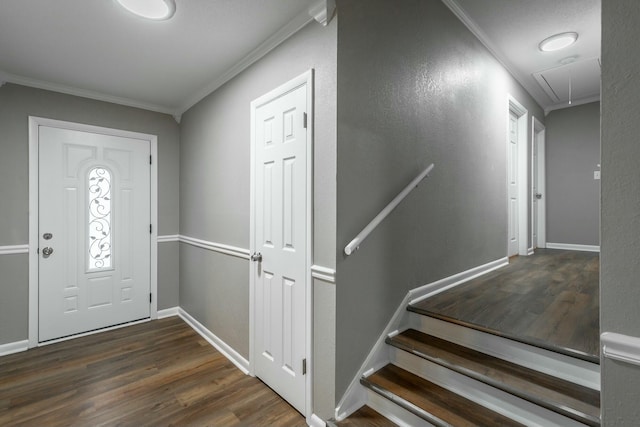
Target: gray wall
620,245
214,195
572,154
414,87
17,103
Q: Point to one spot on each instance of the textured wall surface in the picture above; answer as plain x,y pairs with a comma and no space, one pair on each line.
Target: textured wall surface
572,154
215,203
17,103
620,245
414,87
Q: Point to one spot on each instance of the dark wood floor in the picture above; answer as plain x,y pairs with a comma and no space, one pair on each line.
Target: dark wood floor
366,416
159,373
550,299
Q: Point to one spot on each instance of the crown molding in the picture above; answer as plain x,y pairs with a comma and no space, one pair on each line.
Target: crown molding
55,87
491,47
295,25
322,11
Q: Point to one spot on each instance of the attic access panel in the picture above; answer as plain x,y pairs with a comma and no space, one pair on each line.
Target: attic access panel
584,76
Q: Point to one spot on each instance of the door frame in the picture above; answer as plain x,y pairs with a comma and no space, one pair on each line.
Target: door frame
306,78
538,135
34,124
523,181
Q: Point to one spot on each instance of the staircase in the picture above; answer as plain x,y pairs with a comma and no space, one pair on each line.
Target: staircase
446,374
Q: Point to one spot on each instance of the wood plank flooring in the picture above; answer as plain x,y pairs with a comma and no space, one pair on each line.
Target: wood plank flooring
158,373
550,299
366,416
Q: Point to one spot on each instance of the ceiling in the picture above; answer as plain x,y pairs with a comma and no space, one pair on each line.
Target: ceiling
512,30
96,49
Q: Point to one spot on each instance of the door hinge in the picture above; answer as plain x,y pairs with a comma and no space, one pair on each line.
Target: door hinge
304,366
150,160
150,228
304,120
150,297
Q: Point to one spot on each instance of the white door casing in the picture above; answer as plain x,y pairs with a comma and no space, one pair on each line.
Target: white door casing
280,240
94,191
512,184
517,179
539,185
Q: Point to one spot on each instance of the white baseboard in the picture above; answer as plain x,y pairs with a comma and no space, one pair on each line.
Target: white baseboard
168,312
316,421
430,289
572,247
356,395
235,357
14,347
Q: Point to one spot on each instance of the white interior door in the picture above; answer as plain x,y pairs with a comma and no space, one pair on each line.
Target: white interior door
280,240
94,235
512,184
536,195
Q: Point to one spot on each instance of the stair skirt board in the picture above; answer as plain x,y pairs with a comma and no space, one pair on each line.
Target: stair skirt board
355,396
496,400
393,412
559,365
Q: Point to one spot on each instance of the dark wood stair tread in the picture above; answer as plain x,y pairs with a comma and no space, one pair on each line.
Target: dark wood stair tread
569,399
431,402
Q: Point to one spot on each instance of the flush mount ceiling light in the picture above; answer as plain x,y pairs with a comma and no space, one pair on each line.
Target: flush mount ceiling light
157,10
558,41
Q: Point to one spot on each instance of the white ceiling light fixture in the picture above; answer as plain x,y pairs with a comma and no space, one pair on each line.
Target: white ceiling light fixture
157,10
558,41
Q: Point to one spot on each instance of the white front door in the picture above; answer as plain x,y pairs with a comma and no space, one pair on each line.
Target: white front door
280,241
93,231
512,184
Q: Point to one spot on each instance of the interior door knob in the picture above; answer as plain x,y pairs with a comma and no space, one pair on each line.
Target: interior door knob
46,252
256,257
538,196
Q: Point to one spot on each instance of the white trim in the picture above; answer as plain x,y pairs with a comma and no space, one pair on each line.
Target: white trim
34,124
315,421
572,247
623,348
168,312
355,396
305,79
523,179
14,249
169,238
226,350
295,25
494,50
323,273
430,289
538,136
82,93
216,247
14,347
322,11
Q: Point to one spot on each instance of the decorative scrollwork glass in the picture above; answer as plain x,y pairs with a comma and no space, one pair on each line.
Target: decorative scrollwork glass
99,219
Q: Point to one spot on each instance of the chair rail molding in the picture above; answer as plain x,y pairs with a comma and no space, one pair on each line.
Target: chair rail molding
14,249
623,348
215,247
323,273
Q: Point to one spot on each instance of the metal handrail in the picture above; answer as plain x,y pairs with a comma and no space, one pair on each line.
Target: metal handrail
354,245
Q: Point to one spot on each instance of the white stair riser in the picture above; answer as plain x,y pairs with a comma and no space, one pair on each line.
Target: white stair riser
492,398
559,365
